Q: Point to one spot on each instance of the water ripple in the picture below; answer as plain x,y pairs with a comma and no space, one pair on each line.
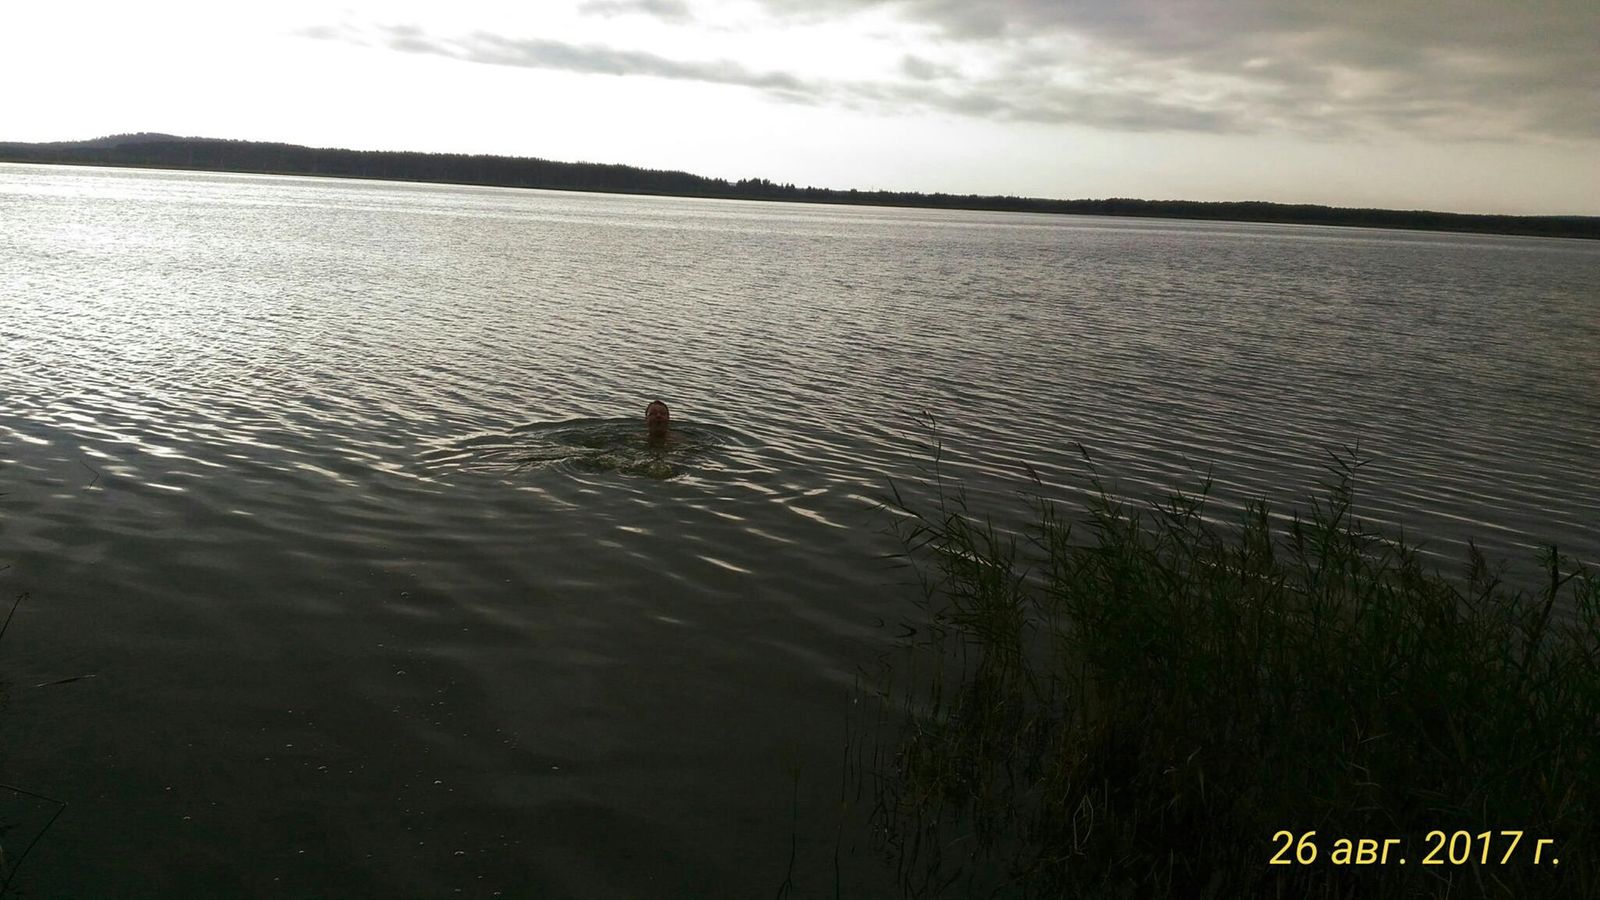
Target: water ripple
268,442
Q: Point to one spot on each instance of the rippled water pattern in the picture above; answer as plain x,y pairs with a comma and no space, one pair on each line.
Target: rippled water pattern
335,488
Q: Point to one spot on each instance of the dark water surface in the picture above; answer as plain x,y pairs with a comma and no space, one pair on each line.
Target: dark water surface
338,491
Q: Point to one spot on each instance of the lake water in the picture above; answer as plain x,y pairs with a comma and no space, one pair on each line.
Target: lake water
331,495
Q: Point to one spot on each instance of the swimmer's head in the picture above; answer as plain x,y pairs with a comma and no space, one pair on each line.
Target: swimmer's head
656,419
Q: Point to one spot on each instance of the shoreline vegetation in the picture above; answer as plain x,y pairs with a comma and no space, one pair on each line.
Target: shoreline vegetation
1128,701
160,151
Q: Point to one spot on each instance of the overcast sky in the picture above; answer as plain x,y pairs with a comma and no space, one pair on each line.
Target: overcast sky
1473,106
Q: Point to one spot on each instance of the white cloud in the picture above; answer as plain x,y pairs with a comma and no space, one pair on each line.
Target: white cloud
1058,98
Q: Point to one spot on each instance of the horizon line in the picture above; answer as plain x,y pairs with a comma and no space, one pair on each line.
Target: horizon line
105,143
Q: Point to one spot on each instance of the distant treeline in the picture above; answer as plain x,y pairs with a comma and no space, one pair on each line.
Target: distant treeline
167,152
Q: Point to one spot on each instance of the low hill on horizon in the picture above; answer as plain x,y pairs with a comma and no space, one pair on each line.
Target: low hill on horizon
165,151
117,140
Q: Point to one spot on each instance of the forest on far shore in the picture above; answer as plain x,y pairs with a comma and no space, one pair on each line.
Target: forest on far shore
213,155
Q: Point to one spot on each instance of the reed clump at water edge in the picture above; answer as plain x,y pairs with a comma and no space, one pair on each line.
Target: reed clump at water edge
1138,702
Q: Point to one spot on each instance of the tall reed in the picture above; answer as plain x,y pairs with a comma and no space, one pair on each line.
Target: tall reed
1128,701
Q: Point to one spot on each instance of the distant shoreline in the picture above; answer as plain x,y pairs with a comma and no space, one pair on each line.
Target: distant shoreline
159,151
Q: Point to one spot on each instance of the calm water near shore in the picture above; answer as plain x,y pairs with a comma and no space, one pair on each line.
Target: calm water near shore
338,491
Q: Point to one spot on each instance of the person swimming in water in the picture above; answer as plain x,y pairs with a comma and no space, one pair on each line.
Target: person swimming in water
657,421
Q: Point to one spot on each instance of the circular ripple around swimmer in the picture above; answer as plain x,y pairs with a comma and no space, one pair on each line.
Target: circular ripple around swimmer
591,446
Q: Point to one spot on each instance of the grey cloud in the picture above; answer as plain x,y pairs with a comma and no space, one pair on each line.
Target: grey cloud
1494,69
1022,98
321,33
924,70
411,40
537,53
1030,102
675,11
1328,70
